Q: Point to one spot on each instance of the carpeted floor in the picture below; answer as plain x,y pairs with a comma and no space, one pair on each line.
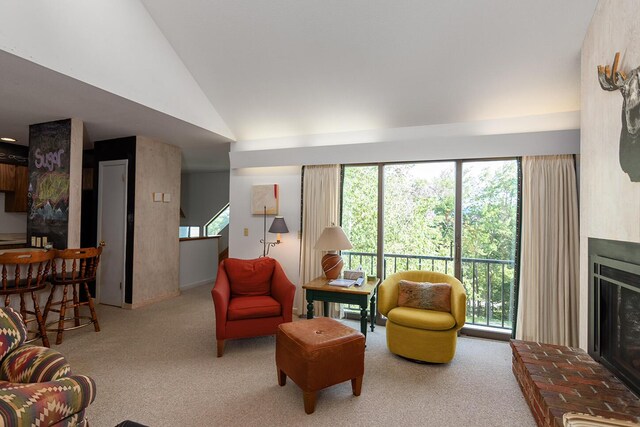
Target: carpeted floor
157,366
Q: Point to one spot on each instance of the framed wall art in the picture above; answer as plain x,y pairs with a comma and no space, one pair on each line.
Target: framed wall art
264,196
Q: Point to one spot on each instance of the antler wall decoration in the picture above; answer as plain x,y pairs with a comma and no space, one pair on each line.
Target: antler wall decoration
612,79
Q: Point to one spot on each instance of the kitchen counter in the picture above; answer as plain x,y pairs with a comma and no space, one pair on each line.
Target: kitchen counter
11,239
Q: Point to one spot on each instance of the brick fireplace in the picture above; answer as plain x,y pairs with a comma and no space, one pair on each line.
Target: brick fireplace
557,379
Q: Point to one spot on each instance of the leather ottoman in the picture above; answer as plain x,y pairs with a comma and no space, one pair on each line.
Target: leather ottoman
318,353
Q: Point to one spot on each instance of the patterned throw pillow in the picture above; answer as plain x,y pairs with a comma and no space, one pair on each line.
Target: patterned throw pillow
12,331
427,296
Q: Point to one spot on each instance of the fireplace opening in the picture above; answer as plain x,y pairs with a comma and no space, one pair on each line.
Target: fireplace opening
614,308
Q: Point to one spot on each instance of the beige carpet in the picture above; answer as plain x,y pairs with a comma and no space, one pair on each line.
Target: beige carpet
156,365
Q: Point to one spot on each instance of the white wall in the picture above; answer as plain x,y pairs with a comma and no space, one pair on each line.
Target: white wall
114,45
12,222
198,262
429,148
288,252
609,201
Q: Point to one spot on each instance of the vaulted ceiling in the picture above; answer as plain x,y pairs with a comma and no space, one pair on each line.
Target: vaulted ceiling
292,67
254,69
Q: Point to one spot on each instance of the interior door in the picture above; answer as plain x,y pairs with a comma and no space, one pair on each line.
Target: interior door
112,228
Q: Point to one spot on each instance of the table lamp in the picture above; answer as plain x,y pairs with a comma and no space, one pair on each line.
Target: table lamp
332,240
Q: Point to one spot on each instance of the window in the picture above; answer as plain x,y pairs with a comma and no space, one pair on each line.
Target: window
189,231
419,227
360,217
489,233
218,222
419,217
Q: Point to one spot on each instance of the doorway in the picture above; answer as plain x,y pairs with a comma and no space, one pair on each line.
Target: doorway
112,229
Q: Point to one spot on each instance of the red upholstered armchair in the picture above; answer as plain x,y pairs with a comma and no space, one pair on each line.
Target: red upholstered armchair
251,297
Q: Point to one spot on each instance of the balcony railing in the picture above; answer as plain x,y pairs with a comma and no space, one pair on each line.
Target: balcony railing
488,282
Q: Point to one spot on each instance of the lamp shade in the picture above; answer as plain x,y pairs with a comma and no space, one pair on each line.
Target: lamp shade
278,225
333,239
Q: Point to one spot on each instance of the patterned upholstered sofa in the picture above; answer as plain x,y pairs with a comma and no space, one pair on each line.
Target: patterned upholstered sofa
36,384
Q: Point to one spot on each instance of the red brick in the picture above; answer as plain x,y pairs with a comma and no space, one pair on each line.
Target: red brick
541,378
587,403
561,404
581,380
529,361
566,366
558,379
558,388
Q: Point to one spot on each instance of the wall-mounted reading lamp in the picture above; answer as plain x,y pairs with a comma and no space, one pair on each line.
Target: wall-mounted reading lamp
278,226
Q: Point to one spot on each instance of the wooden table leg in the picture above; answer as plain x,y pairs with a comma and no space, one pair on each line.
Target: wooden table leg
309,308
363,319
372,311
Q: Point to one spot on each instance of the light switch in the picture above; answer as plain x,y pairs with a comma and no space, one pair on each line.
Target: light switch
246,232
166,197
157,197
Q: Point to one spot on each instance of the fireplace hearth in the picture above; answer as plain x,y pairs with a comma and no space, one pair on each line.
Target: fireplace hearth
556,380
614,308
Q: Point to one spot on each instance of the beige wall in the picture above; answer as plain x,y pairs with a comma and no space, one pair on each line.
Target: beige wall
156,250
609,201
75,183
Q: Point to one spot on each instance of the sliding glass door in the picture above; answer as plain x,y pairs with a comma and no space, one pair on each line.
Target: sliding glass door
455,217
360,217
419,217
489,233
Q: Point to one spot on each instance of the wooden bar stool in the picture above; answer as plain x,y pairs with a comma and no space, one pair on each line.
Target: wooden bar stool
22,273
77,268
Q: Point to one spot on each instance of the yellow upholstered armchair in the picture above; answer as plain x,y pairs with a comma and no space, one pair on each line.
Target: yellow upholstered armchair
425,335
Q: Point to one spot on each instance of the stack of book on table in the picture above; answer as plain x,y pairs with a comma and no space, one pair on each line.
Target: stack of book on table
343,283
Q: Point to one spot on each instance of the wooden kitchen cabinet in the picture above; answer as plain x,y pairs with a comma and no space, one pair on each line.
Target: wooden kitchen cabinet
16,201
7,177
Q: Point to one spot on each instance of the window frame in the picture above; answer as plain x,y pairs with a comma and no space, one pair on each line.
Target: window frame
459,163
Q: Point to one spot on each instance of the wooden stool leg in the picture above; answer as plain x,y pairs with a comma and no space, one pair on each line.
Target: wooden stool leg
47,306
76,306
220,344
23,309
92,309
63,310
40,320
282,378
356,385
309,401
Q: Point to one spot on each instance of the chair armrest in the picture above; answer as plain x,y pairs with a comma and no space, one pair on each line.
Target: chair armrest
458,304
34,364
388,294
221,293
44,403
283,291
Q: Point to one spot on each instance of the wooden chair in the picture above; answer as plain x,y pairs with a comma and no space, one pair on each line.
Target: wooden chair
77,268
22,273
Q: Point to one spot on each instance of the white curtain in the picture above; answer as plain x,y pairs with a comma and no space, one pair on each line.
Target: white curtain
320,208
548,296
